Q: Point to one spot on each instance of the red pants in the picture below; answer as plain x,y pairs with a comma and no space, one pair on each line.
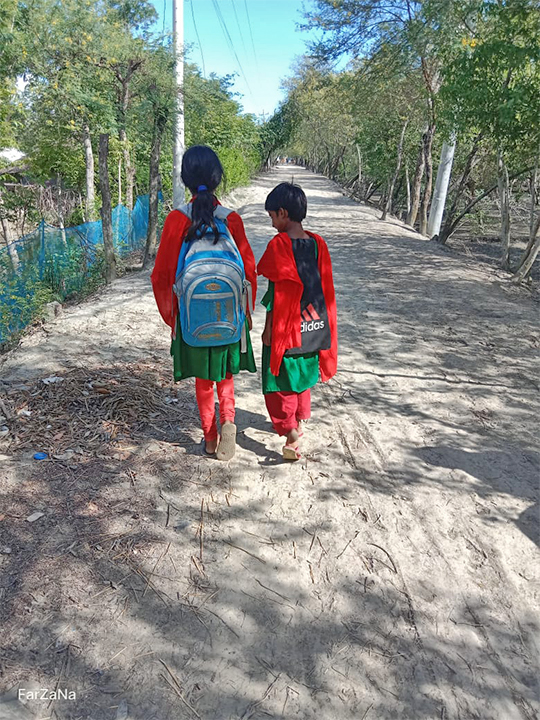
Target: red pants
204,390
287,408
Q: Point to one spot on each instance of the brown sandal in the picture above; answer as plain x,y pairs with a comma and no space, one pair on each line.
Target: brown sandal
227,442
291,453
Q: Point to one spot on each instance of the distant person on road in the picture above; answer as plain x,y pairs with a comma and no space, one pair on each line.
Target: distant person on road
205,282
300,334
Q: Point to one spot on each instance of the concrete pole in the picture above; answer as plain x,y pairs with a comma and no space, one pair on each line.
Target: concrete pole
178,151
441,187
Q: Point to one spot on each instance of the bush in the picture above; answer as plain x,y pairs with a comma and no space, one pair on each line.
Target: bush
239,166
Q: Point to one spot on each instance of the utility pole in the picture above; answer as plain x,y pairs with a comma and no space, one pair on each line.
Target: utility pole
441,187
178,152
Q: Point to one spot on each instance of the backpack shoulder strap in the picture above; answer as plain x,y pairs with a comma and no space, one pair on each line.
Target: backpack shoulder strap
222,213
185,210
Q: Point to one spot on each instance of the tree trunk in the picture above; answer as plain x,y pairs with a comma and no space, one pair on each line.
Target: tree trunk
388,203
343,166
12,250
90,191
372,189
533,218
119,181
428,162
503,183
416,186
528,260
23,221
451,229
63,232
359,168
160,121
337,161
446,231
397,192
408,186
129,170
533,246
441,187
60,212
106,209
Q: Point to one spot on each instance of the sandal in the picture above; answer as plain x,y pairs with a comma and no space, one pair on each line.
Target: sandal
291,453
301,427
227,442
206,452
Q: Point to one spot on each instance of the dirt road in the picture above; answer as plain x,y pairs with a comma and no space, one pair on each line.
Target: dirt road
393,574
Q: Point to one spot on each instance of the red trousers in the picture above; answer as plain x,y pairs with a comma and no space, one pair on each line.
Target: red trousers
204,390
287,408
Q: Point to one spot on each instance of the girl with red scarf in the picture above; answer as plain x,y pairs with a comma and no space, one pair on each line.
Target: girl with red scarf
202,173
300,335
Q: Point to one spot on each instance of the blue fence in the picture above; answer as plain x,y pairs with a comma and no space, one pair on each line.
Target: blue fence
55,263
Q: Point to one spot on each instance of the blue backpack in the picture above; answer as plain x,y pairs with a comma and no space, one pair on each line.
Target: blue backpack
211,286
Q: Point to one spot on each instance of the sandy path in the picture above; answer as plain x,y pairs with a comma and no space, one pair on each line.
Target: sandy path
392,574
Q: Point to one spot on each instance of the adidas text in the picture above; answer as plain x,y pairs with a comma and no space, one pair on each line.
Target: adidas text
314,325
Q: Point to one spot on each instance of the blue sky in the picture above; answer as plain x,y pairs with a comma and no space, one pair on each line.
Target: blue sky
265,61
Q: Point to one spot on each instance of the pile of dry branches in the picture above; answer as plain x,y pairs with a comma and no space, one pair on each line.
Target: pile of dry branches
83,409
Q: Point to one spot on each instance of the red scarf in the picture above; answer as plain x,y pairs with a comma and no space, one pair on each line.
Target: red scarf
278,265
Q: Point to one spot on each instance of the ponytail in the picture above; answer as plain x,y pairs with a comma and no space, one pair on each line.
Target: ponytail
201,172
202,215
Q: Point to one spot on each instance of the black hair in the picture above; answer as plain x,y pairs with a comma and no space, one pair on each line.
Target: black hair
291,198
201,166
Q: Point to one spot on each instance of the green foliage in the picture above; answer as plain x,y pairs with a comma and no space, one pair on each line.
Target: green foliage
492,79
238,166
67,273
276,133
8,10
94,68
329,117
214,118
469,67
19,308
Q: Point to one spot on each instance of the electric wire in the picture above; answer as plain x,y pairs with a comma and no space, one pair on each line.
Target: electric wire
228,38
238,26
197,36
251,35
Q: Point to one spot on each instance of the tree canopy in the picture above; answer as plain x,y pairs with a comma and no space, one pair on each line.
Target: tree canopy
414,75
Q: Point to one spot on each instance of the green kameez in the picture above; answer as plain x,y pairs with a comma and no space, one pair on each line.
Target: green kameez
210,363
296,373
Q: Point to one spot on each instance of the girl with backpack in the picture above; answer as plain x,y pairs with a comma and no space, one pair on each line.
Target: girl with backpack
300,334
201,253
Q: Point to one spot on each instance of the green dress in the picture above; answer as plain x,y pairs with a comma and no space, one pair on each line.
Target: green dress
210,363
296,373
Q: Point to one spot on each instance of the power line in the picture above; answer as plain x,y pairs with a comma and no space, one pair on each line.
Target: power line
230,42
251,35
238,26
198,38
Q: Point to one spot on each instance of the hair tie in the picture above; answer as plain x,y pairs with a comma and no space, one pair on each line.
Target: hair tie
201,188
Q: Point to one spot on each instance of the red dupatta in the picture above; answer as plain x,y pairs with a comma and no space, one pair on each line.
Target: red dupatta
278,265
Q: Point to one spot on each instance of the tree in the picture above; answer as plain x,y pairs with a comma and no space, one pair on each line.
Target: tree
106,209
157,91
492,84
533,247
8,69
400,29
68,97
